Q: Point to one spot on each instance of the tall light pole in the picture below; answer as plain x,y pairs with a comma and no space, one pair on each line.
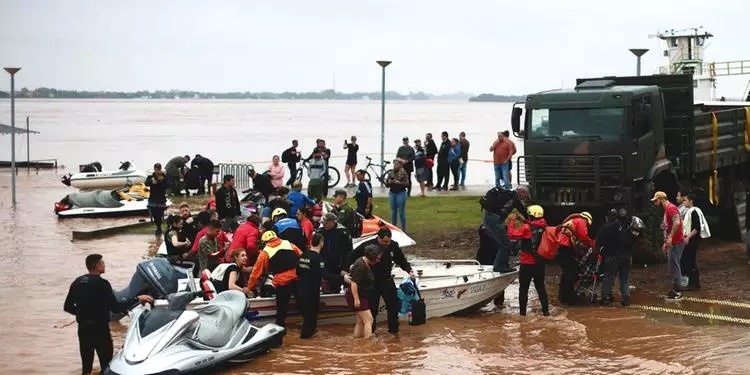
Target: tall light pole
638,52
12,72
382,64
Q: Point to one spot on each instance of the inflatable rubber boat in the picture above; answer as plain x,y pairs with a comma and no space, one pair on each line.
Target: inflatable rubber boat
92,177
98,203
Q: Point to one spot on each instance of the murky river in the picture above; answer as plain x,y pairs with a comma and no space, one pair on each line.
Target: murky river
39,261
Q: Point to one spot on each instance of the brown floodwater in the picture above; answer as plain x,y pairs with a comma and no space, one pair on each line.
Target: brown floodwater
39,261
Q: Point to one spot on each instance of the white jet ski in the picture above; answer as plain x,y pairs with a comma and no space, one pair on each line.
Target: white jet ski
100,203
177,341
92,177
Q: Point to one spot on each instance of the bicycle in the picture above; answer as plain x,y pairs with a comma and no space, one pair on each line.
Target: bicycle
333,174
371,166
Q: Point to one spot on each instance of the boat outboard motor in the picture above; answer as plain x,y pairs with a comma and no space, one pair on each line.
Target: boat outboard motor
92,167
155,277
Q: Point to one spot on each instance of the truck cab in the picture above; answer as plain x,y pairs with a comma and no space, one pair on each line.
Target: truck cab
611,142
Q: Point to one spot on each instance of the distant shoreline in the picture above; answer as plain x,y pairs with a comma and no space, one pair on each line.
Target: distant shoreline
49,93
492,98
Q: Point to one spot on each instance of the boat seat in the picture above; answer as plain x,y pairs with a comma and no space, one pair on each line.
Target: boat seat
218,318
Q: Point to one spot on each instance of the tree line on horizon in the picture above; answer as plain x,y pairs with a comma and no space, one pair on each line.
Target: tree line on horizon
51,93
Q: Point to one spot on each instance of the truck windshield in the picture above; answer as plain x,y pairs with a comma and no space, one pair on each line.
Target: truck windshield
600,123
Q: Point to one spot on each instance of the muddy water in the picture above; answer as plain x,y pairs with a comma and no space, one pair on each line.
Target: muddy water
39,261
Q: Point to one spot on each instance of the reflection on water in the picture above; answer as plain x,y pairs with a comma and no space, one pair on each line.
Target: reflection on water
40,261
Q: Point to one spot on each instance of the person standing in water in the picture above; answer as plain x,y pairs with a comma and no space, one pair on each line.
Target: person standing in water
362,281
91,300
351,161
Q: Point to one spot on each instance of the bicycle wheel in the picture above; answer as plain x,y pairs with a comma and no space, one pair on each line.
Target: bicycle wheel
300,172
367,176
333,177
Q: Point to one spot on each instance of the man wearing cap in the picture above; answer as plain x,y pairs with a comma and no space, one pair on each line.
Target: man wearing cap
337,245
363,195
344,212
674,241
406,154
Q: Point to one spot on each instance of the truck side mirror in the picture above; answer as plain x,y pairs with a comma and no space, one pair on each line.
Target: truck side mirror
515,119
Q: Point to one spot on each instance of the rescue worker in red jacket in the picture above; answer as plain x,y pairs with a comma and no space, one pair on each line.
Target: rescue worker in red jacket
532,265
574,240
279,258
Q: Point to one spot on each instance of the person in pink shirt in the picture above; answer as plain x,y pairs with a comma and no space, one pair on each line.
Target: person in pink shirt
674,241
276,171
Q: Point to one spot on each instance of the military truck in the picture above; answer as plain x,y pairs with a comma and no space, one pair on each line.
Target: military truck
611,142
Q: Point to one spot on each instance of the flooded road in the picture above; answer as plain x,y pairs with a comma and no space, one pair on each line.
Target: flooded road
40,261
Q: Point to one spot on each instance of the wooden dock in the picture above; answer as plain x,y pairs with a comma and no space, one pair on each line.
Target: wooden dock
35,164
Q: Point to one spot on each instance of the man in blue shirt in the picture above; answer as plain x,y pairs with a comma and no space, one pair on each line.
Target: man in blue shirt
298,199
363,195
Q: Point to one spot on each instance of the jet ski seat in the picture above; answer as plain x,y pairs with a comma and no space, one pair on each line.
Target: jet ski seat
218,318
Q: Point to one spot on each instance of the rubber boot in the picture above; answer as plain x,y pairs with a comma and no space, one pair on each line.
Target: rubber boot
626,301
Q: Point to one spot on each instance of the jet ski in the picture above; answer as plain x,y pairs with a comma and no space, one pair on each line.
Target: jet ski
91,176
177,341
122,202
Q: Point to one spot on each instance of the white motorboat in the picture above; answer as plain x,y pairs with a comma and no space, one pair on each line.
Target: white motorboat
99,203
98,179
446,290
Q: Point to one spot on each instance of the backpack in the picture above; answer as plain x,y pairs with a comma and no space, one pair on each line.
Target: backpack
546,242
219,271
498,201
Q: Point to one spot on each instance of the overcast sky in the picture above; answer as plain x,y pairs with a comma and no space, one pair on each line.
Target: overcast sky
437,46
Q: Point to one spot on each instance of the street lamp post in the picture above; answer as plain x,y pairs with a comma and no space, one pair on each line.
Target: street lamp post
638,52
382,64
12,72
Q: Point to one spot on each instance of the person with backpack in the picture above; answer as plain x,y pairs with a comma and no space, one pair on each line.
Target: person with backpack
616,240
496,205
573,240
532,265
291,157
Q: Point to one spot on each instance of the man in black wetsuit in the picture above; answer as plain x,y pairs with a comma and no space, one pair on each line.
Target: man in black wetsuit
384,285
91,299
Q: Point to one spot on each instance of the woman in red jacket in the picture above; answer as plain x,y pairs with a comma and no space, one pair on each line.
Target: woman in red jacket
532,266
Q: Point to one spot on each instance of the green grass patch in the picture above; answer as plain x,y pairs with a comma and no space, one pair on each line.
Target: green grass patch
426,217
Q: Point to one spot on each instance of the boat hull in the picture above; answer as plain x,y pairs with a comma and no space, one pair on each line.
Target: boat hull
443,296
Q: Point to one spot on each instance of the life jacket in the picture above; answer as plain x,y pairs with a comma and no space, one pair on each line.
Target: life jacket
281,257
